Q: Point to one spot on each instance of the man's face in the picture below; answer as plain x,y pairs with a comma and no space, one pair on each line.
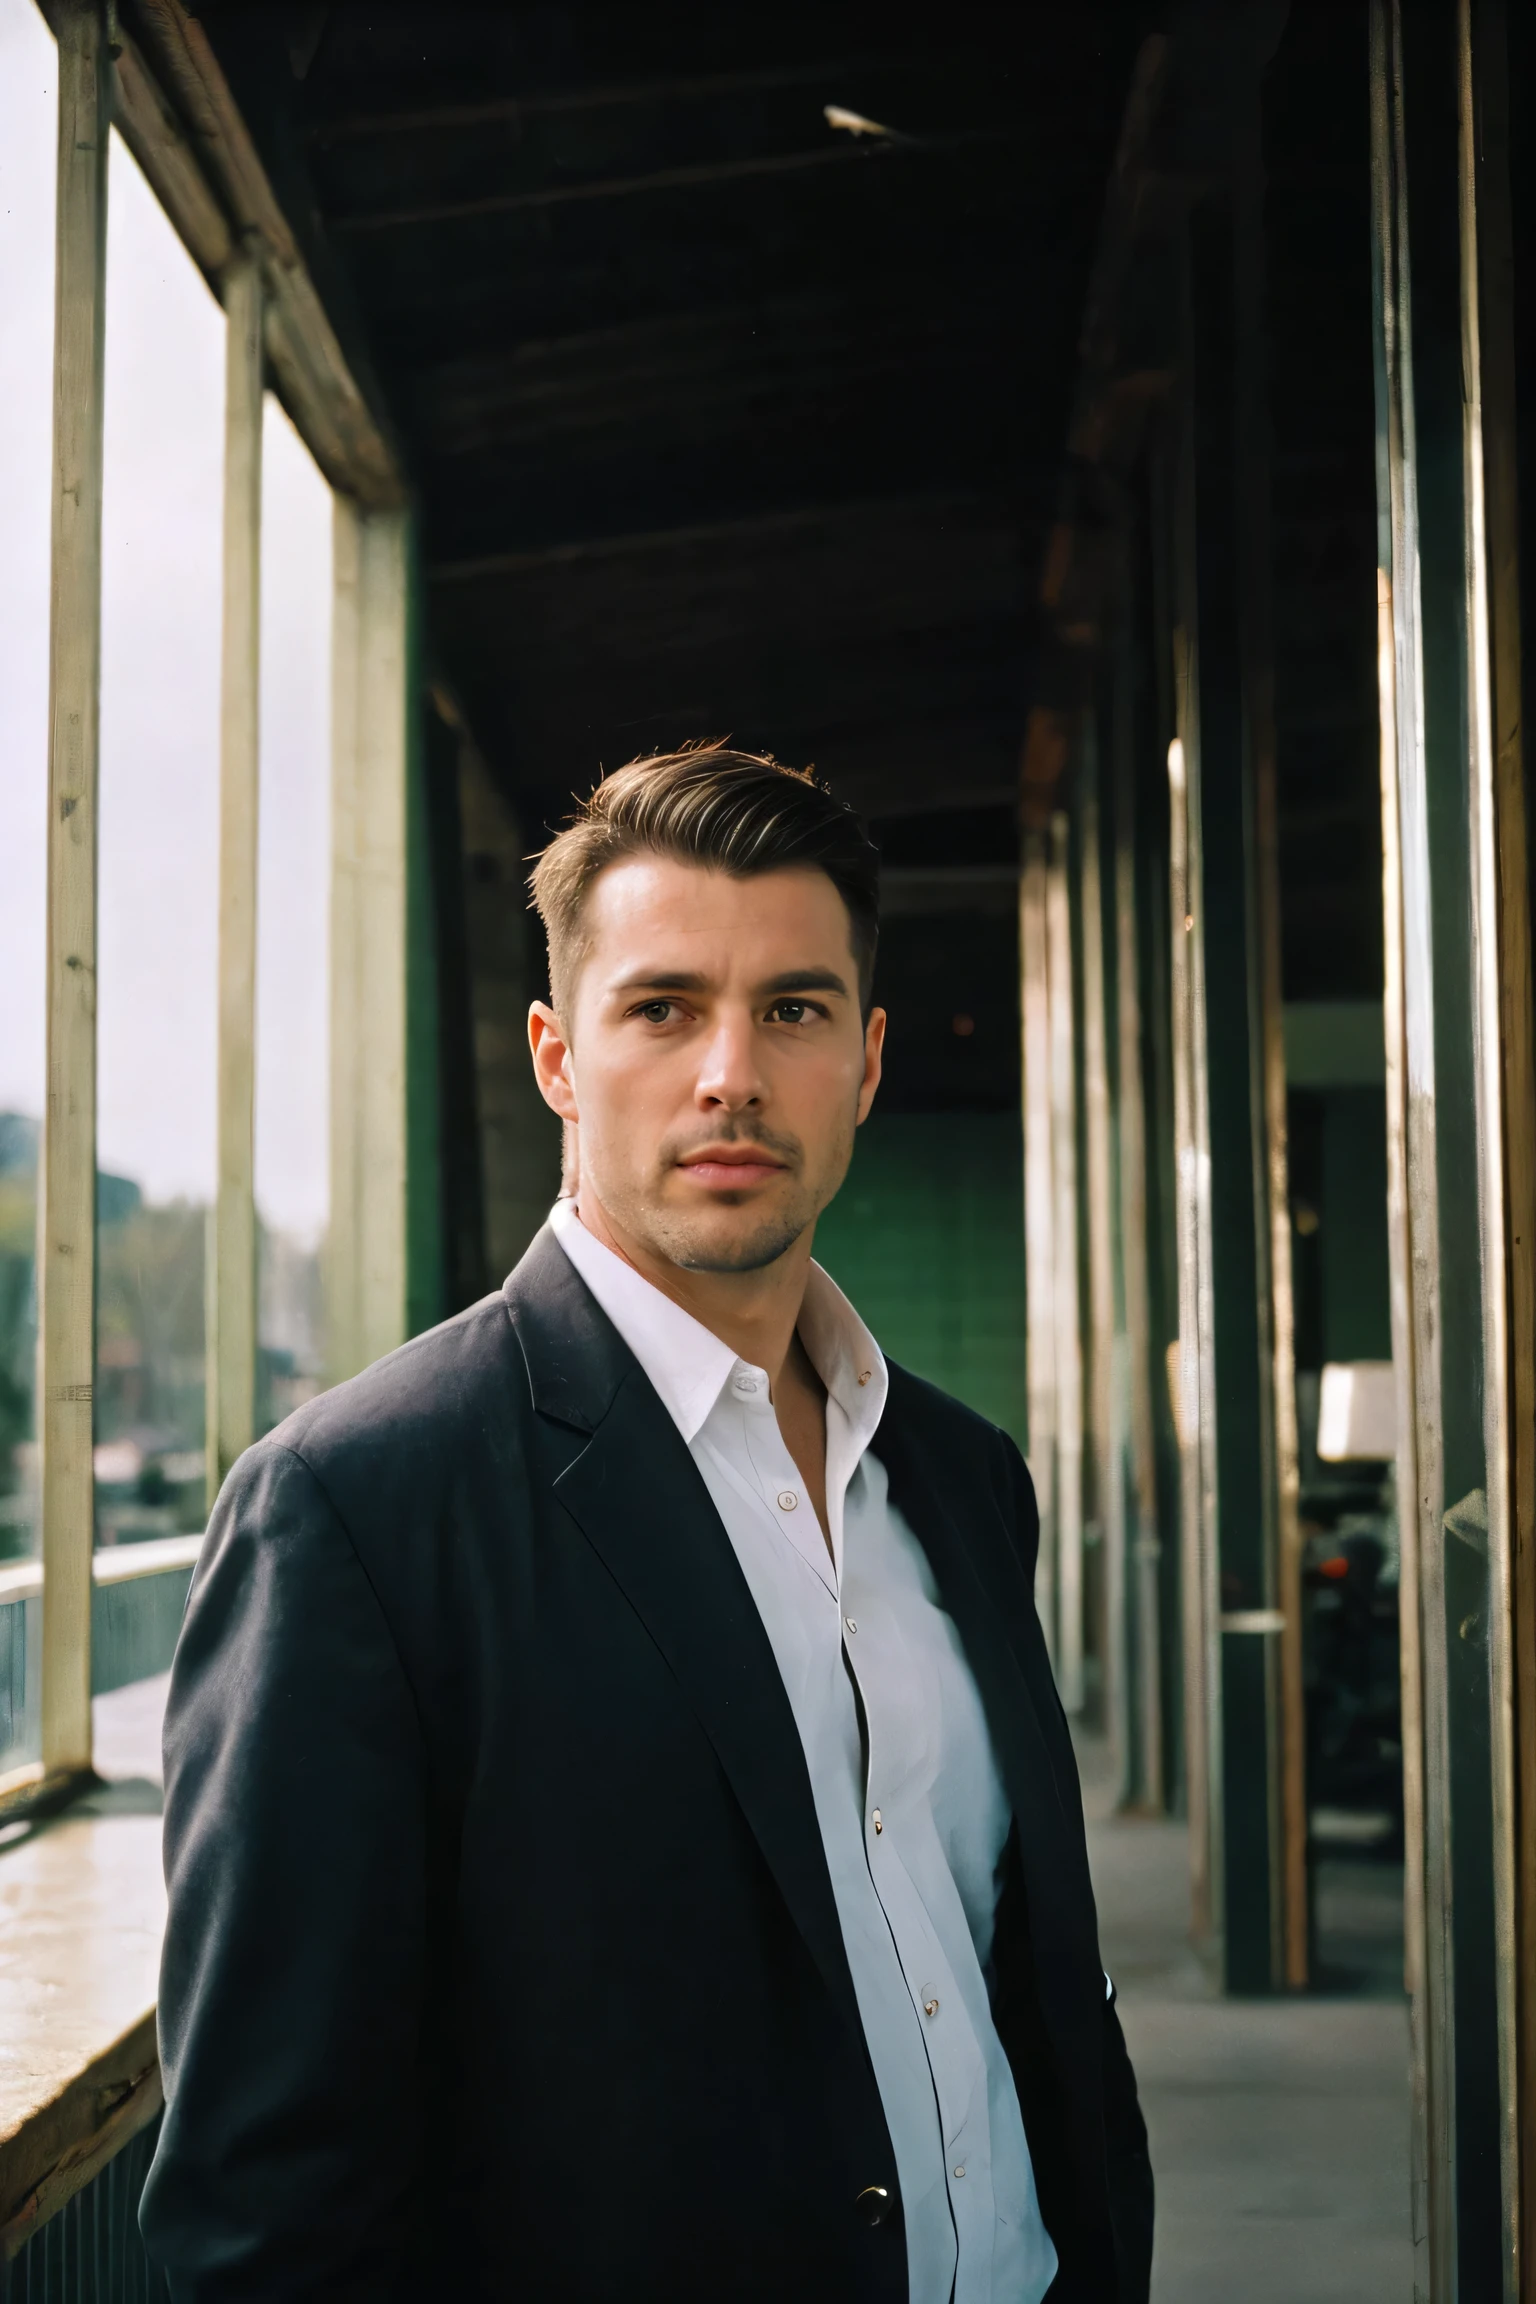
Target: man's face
718,1063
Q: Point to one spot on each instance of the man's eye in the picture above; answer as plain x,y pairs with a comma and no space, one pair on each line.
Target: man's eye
656,1011
791,1011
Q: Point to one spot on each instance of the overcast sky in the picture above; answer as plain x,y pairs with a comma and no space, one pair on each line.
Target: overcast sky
160,693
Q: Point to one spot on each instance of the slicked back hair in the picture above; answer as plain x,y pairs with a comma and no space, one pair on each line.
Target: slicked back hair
733,812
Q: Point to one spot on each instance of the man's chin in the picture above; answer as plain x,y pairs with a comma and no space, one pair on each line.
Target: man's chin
716,1244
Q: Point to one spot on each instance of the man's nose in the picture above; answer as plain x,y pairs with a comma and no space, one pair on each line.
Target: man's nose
730,1077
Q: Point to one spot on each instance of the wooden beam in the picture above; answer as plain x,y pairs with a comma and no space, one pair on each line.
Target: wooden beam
343,433
703,88
366,1256
67,1204
231,1280
149,127
545,196
933,509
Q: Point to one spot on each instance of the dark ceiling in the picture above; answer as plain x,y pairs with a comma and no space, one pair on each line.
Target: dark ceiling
721,419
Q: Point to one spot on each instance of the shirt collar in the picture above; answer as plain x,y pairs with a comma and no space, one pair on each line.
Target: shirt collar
689,1366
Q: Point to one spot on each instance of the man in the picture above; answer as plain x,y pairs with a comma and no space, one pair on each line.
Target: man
622,1838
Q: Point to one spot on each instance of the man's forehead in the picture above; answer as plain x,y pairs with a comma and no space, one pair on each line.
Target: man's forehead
646,880
679,908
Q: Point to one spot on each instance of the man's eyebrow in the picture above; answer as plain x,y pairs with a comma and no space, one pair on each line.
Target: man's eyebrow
793,980
806,980
664,980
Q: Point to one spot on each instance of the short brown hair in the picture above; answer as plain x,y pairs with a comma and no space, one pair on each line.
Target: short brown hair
736,812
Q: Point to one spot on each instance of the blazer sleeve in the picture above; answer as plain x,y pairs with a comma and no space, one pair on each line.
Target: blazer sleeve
292,1973
1131,2201
1129,2163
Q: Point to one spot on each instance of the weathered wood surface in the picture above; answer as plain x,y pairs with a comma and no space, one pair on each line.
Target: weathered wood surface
231,1293
82,1913
67,1212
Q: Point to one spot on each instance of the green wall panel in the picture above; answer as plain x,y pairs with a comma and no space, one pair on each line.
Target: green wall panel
927,1238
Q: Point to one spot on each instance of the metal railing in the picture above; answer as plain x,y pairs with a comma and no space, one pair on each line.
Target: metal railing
138,1592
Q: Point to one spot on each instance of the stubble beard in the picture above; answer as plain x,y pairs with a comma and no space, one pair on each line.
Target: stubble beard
771,1239
703,1239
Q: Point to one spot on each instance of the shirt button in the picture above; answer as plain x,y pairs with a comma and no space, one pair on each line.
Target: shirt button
865,1375
787,1499
879,1827
746,1383
848,1620
960,2171
931,2005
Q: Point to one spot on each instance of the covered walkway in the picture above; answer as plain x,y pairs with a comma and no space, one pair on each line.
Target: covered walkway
1279,2128
1092,437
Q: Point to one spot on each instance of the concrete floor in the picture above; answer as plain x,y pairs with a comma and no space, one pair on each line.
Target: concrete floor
1279,2128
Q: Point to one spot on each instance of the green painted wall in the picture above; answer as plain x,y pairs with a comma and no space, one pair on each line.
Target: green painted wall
1357,1285
926,1237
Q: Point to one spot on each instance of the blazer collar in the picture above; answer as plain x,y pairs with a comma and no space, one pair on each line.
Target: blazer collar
576,1358
638,1497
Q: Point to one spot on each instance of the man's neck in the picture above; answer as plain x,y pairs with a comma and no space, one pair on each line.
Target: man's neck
755,1313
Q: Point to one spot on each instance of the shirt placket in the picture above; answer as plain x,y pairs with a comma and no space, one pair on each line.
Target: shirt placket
929,1982
955,2062
777,1476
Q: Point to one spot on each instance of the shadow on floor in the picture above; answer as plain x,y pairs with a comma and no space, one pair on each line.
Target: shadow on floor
1279,2127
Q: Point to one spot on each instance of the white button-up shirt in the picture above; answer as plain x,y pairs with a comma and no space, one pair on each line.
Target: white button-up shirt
912,1812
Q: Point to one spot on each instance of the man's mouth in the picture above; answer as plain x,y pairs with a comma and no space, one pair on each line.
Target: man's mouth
731,1166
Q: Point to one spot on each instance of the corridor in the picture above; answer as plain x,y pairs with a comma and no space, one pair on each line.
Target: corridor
1089,439
1279,2128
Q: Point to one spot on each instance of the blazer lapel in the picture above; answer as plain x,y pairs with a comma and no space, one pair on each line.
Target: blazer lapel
638,1497
970,1566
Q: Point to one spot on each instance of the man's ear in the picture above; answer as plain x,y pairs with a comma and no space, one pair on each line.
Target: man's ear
552,1060
874,1045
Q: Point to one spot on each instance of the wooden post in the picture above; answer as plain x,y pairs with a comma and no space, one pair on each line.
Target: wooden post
367,1259
519,1135
1195,1380
1461,1109
1130,1108
231,1275
1065,1306
1039,1216
1271,1181
1412,1197
1196,1389
67,1201
1233,1140
1505,1035
1105,1387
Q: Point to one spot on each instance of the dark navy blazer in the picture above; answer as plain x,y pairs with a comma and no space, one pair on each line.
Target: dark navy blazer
502,1959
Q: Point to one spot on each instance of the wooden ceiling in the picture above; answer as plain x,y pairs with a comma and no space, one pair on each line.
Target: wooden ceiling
720,419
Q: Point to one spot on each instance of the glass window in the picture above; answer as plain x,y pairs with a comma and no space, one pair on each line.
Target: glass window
292,921
162,525
28,131
28,135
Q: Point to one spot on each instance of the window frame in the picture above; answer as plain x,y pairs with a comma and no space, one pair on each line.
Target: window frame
213,190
